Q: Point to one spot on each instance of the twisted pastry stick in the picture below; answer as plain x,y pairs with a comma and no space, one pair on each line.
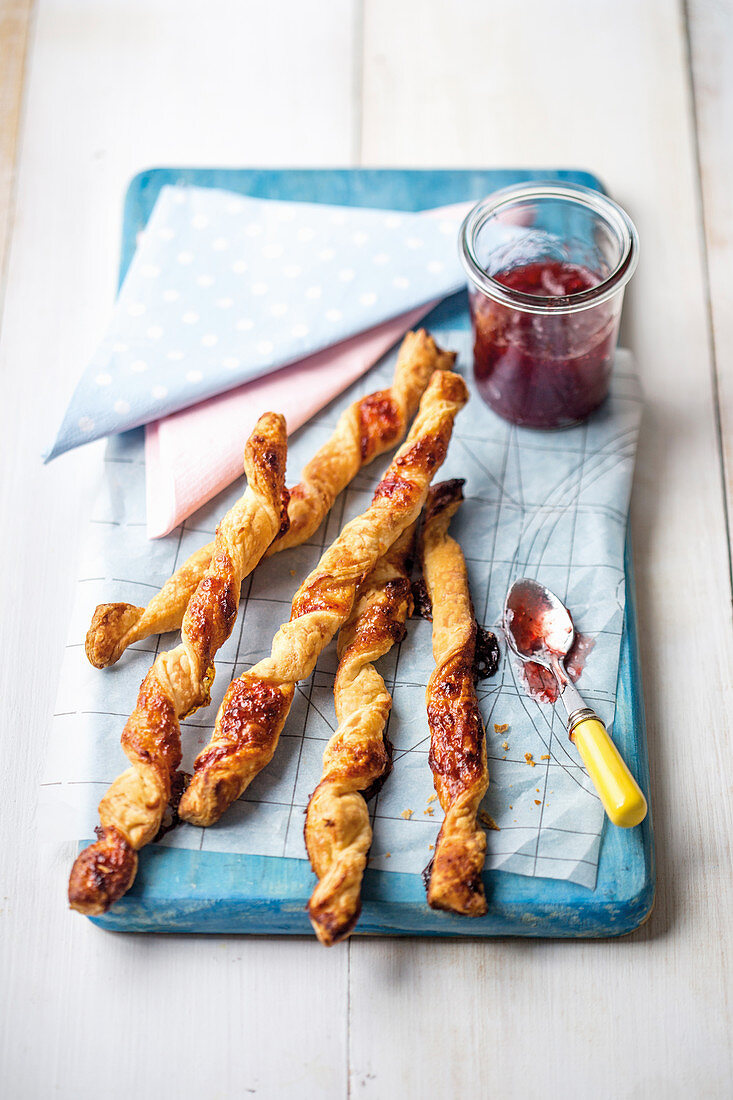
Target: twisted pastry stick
115,626
337,830
457,743
366,429
256,705
131,811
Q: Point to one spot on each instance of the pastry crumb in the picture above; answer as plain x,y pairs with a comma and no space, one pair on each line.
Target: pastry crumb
432,798
387,855
529,759
537,802
430,811
545,756
505,746
407,814
292,572
431,847
501,728
488,821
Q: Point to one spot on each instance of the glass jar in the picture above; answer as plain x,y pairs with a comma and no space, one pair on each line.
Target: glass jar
547,264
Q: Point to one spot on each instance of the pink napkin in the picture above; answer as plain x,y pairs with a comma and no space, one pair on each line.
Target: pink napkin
192,455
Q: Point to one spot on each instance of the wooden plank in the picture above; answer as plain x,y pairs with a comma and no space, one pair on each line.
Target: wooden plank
605,87
116,86
15,18
711,52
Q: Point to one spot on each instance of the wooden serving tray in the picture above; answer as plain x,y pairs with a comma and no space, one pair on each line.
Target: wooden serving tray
177,890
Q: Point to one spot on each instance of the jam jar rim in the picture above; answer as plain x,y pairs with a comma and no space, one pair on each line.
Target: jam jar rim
596,201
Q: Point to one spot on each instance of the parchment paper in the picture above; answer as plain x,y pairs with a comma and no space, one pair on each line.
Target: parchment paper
551,505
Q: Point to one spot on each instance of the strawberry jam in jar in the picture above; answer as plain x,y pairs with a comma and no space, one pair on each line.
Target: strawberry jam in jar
547,264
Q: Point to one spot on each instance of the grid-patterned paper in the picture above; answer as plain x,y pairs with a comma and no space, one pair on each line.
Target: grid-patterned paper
550,505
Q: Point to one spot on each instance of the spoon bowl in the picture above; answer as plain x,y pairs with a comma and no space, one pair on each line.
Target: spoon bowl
537,624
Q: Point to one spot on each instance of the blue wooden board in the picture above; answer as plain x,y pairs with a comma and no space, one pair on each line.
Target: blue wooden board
189,891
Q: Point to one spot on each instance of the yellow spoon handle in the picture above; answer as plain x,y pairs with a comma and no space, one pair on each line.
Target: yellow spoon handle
618,790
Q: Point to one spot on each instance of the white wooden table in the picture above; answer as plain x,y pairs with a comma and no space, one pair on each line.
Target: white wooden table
91,91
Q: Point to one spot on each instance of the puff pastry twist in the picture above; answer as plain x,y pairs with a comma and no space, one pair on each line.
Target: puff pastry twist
457,743
256,704
132,810
366,429
356,760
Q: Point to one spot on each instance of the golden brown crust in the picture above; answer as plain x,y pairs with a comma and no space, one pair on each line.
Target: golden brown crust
132,810
111,626
103,872
337,830
117,626
322,604
248,727
457,743
366,429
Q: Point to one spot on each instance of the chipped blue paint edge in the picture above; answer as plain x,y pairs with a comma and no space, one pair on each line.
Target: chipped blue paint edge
213,892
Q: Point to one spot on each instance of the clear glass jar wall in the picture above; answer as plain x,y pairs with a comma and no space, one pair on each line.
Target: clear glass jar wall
547,266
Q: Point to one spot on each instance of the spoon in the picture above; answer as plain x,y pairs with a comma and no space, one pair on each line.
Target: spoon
538,628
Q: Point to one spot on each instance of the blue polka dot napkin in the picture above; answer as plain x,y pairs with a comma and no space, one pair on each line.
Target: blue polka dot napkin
224,288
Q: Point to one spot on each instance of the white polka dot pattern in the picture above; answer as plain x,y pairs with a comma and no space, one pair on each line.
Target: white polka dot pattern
224,288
